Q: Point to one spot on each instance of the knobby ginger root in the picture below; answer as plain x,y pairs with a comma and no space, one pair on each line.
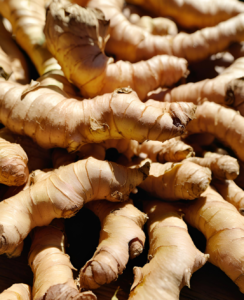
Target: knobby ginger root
61,194
121,236
52,269
18,291
81,54
52,119
172,255
223,228
129,42
222,166
174,181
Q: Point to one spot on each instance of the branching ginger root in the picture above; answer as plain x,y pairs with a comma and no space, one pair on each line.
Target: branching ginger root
172,255
121,237
174,181
81,54
52,269
18,291
61,194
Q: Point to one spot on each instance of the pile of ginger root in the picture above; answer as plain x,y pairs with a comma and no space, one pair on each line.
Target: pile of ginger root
132,112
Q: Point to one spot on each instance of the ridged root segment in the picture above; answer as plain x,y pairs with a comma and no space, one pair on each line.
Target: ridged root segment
61,194
173,257
190,14
52,269
121,237
18,291
81,54
174,181
224,123
223,228
129,42
13,164
48,116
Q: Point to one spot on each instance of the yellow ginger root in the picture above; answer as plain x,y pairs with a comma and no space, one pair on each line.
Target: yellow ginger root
193,14
231,193
172,255
223,228
121,237
18,291
222,166
52,119
27,18
52,269
81,54
13,164
129,42
224,123
61,194
174,181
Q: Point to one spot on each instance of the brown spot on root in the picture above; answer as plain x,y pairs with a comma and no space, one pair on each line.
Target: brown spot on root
135,247
4,74
234,92
124,90
177,122
145,170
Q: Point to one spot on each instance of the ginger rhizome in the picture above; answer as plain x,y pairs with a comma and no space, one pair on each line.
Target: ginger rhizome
223,228
121,237
18,291
61,194
174,181
81,54
52,269
51,118
173,257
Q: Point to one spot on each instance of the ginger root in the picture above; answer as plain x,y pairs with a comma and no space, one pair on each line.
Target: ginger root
17,292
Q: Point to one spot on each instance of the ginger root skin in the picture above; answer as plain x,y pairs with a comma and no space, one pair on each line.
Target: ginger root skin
18,291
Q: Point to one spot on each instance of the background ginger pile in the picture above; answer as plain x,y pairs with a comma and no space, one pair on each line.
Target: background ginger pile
134,111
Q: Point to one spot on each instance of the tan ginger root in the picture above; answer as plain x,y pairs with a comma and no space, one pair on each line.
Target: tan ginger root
172,255
222,166
52,119
121,236
223,228
61,194
52,269
81,54
174,181
129,42
193,14
18,291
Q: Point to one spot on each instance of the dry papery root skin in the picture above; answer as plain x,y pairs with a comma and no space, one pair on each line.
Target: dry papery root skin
18,291
61,194
81,54
223,228
53,119
172,255
121,237
175,181
129,42
52,269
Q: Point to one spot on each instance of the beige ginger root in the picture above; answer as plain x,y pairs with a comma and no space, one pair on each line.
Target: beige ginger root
81,54
172,255
174,181
18,291
52,269
121,237
61,194
223,228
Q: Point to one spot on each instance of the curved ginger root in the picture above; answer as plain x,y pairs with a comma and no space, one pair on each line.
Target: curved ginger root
61,194
81,54
18,291
172,255
52,269
223,228
121,236
174,181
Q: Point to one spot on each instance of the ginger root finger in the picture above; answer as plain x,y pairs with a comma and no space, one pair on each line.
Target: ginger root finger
172,255
18,291
174,181
121,236
61,194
